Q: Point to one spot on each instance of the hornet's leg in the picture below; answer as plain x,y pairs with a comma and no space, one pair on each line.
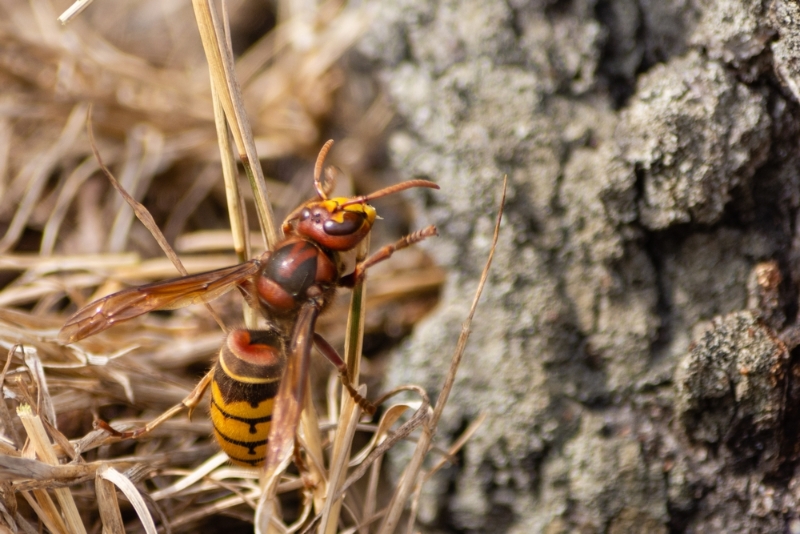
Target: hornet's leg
385,253
333,356
190,403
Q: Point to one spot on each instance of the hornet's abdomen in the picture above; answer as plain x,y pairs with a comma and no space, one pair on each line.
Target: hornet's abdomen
246,380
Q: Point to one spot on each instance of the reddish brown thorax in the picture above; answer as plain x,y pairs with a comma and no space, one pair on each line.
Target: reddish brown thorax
291,271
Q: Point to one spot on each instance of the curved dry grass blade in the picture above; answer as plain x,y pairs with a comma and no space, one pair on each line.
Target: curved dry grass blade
195,476
465,328
12,296
267,518
134,497
108,505
301,519
408,481
73,11
416,420
388,419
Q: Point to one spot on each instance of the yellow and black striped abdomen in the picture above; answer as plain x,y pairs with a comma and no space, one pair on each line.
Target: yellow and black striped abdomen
246,380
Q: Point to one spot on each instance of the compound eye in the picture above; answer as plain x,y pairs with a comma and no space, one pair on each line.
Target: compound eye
351,222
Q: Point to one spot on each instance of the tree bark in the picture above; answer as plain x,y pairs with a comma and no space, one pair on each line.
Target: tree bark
633,350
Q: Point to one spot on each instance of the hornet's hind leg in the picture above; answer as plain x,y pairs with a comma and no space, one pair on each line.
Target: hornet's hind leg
189,403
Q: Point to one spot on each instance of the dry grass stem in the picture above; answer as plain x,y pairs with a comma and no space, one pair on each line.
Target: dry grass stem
456,446
144,216
134,497
226,87
410,474
41,445
73,11
108,505
350,412
239,227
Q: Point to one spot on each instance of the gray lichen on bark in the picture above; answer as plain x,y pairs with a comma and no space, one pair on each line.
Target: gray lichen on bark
652,154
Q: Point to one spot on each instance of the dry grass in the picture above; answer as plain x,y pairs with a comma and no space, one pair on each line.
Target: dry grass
68,237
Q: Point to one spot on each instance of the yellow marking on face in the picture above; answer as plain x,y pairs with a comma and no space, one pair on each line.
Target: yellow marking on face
333,206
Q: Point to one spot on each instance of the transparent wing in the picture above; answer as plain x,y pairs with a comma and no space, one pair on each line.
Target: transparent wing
289,401
165,295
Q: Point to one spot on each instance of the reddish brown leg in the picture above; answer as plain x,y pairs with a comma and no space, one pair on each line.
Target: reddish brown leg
384,253
190,402
333,356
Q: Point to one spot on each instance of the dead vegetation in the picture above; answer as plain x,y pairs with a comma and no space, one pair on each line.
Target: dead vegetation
69,237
